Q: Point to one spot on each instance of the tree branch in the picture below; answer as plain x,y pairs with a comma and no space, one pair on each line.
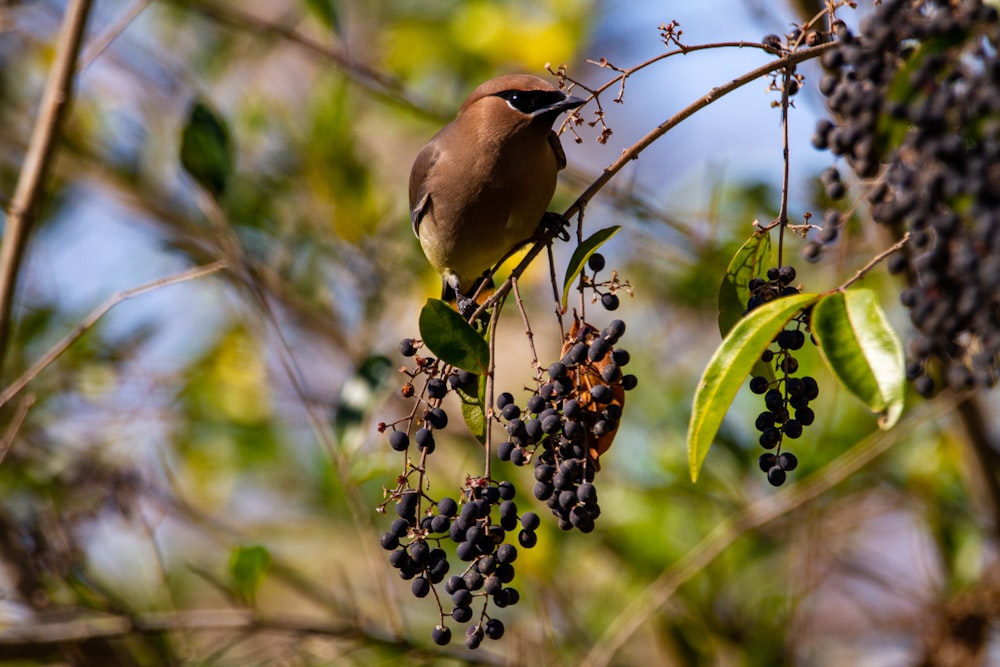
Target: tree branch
24,205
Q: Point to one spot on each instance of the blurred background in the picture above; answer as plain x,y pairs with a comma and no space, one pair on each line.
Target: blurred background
195,479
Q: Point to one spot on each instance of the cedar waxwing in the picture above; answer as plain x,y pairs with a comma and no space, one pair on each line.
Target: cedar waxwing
480,187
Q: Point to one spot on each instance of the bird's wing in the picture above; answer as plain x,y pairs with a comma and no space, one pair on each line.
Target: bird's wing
557,149
420,198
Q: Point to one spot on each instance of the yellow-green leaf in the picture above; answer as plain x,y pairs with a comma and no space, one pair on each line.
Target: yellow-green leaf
862,350
730,365
582,253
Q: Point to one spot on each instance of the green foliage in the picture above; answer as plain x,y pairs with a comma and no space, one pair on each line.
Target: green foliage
581,254
206,148
248,565
730,364
862,350
452,339
750,261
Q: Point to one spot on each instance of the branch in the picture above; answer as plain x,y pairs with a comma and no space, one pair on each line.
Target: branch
92,319
378,83
658,593
20,217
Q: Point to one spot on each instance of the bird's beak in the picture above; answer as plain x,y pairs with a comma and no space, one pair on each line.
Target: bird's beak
563,105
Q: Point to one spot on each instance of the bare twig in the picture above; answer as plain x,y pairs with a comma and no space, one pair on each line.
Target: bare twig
24,204
895,247
759,513
95,316
376,82
98,45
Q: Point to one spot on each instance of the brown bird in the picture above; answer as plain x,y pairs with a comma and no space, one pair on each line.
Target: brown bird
481,185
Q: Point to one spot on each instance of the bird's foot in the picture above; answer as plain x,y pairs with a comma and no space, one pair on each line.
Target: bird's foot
555,223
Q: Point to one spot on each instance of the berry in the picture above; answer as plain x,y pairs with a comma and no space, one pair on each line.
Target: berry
462,614
420,587
776,476
758,384
530,521
407,347
596,262
441,635
494,627
436,388
399,441
788,461
610,301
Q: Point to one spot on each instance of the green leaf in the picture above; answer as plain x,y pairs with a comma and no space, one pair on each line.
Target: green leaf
862,350
325,11
751,260
730,365
473,411
247,567
452,339
206,148
582,253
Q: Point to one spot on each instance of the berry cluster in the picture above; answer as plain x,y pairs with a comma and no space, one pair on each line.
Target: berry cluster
785,393
570,422
478,524
916,96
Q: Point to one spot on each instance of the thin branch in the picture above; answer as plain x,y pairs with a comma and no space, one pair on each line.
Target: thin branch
95,315
658,593
895,247
378,83
24,205
99,44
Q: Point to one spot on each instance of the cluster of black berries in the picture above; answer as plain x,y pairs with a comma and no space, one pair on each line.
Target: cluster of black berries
570,422
916,99
786,398
609,299
478,524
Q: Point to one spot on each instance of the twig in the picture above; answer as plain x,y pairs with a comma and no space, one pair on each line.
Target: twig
15,425
895,247
20,217
92,319
759,513
99,44
376,82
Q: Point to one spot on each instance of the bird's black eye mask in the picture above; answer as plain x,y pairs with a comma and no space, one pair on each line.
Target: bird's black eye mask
531,101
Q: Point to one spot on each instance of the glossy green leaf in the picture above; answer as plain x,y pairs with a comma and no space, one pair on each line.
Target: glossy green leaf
206,148
582,253
730,365
452,339
751,260
247,568
473,411
862,350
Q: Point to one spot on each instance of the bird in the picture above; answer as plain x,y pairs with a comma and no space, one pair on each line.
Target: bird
481,186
